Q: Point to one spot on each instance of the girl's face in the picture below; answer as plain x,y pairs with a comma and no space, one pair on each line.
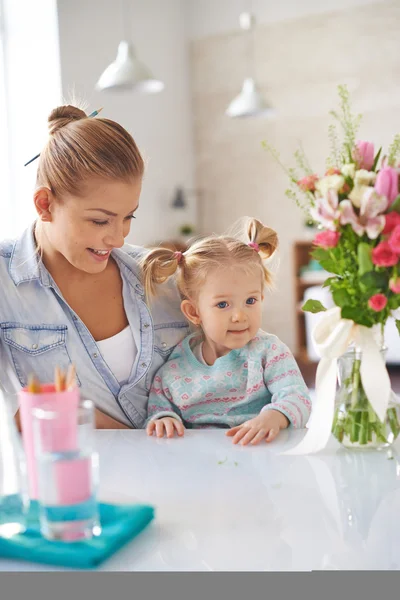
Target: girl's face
229,308
85,230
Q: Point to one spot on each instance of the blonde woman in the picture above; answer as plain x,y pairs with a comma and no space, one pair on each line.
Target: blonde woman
71,289
229,373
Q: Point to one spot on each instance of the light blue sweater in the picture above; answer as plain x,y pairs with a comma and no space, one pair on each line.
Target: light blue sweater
262,375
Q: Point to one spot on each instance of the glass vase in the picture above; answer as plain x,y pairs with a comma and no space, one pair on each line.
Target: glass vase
355,423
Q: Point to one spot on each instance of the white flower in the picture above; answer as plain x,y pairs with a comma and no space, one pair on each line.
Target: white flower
331,182
363,177
349,170
357,194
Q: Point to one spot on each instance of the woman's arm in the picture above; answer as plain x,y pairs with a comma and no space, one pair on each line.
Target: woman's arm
102,421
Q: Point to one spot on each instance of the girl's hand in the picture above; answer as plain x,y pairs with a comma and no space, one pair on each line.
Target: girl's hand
265,426
167,424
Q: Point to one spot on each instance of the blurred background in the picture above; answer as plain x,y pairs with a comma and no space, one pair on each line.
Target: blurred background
206,166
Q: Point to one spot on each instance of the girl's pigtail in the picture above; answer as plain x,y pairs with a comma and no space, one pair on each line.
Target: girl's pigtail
158,266
265,237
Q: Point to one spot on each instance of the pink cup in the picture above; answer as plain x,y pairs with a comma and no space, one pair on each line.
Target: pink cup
66,438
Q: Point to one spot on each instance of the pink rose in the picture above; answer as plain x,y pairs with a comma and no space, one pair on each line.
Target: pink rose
394,240
327,239
363,154
384,256
394,285
377,302
387,184
307,184
391,221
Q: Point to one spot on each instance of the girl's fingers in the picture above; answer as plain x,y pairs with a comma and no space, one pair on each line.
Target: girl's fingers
272,434
169,427
262,434
160,428
240,434
151,427
249,436
179,427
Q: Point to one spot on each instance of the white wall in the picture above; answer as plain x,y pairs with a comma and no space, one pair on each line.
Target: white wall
90,31
213,17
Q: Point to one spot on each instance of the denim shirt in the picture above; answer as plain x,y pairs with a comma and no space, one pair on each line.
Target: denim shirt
39,331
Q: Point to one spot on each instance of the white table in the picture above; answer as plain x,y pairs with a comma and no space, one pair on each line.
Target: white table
231,508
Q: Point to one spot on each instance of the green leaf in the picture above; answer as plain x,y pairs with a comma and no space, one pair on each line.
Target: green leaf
376,159
354,314
341,297
365,263
313,306
398,325
395,207
328,281
373,280
326,260
394,301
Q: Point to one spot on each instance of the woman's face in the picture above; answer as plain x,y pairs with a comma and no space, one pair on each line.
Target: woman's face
85,230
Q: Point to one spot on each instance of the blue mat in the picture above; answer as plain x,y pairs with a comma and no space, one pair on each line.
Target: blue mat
120,524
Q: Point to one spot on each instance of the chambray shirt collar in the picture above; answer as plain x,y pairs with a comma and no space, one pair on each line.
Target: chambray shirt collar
26,265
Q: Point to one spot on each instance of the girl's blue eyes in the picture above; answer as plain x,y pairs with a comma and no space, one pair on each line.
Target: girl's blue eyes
100,223
222,304
249,301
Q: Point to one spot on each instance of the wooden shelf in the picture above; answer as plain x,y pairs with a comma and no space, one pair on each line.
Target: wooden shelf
301,258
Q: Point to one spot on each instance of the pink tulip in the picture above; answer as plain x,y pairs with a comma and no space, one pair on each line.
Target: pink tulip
363,154
327,239
377,302
394,285
387,184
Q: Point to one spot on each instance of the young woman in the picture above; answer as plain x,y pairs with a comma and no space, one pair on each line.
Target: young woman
70,289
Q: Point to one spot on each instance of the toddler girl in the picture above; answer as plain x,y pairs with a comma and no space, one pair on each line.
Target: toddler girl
229,373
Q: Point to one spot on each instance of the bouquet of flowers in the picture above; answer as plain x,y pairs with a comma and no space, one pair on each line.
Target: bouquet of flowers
356,205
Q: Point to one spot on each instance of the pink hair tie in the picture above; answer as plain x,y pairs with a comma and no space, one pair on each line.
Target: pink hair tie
178,256
254,245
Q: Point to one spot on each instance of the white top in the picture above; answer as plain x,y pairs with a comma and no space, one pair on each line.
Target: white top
119,352
248,508
198,353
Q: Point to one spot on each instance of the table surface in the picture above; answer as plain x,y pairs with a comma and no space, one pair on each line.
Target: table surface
221,507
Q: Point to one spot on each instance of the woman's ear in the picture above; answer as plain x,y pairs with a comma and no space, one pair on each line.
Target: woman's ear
43,199
190,311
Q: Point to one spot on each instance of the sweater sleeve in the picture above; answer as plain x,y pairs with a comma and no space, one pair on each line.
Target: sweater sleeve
160,400
284,381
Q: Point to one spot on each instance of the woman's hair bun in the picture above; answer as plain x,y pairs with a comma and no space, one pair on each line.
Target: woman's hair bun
62,115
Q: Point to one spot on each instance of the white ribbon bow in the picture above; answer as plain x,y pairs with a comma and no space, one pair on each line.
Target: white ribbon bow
332,336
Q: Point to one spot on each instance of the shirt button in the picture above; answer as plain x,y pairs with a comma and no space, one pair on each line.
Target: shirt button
95,355
75,318
144,365
34,346
164,345
146,325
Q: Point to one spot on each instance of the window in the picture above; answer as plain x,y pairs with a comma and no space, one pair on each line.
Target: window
30,86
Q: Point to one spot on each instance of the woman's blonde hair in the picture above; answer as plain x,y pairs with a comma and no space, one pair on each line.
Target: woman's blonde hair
80,148
192,266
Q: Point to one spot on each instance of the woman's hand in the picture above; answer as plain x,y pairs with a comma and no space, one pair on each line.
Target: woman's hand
265,426
167,424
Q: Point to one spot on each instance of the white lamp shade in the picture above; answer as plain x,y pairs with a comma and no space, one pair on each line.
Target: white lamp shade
127,72
249,103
